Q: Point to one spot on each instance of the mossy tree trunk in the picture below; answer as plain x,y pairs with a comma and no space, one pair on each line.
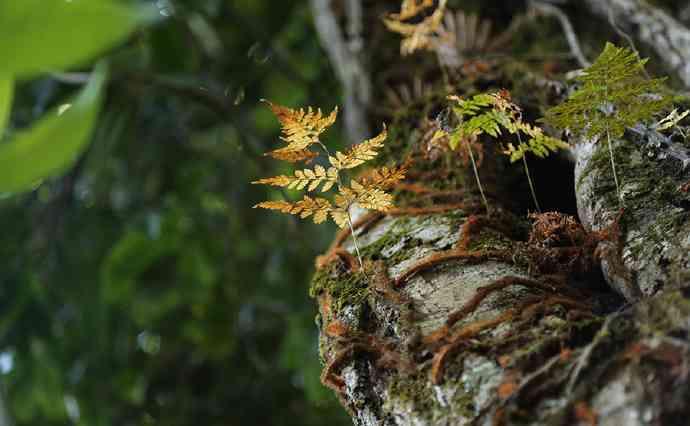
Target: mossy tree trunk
467,317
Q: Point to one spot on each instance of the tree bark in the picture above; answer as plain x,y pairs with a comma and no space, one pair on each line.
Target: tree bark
468,317
667,37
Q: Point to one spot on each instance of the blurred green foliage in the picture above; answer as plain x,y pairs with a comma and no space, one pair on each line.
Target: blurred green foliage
138,287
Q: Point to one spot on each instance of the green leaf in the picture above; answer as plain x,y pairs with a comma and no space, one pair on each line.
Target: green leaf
47,35
54,142
6,94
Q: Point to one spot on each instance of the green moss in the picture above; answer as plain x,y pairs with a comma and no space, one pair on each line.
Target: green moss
345,289
490,239
666,313
647,187
415,392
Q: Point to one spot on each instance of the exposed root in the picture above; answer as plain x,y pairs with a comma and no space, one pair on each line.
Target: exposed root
459,337
586,355
384,286
351,262
468,229
382,351
529,308
443,257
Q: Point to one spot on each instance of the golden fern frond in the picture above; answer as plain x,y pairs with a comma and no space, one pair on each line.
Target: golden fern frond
385,177
314,178
307,206
417,34
319,207
281,180
301,127
359,153
340,217
280,205
292,156
371,198
305,178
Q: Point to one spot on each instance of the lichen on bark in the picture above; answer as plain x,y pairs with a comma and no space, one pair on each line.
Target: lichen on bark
466,318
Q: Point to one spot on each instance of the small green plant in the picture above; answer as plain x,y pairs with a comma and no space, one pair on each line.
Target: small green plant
301,130
614,95
489,113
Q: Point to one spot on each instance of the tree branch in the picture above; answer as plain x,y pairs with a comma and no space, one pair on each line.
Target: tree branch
346,56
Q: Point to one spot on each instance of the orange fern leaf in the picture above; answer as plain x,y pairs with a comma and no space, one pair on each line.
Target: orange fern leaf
314,178
301,127
292,156
302,178
360,153
307,206
281,180
280,205
419,35
370,197
385,177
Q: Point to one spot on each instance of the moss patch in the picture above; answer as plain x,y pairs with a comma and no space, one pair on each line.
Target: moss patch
350,288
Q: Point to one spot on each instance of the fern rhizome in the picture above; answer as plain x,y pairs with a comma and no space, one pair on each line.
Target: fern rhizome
613,96
301,131
488,113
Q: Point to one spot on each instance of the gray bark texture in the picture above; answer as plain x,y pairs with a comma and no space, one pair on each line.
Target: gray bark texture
463,317
668,38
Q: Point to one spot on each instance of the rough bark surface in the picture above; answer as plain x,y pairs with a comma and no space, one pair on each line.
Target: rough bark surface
653,251
463,317
669,39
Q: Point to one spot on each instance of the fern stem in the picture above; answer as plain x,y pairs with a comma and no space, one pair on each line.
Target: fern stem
531,187
476,175
354,240
529,177
613,164
349,218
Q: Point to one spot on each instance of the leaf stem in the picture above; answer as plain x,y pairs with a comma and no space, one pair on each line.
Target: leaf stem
531,186
476,175
613,163
347,210
529,177
354,240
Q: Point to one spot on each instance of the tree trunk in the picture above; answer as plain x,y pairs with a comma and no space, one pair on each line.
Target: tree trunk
467,317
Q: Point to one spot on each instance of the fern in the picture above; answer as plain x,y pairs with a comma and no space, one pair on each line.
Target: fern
418,22
614,96
490,113
301,130
672,120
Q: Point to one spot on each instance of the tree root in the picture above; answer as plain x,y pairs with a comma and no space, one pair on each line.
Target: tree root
443,257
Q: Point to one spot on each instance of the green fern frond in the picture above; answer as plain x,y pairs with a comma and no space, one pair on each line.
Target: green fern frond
614,96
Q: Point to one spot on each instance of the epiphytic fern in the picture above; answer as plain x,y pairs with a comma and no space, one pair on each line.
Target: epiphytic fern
301,130
672,120
614,96
489,113
418,22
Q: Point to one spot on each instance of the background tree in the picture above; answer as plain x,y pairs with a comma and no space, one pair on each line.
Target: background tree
138,286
